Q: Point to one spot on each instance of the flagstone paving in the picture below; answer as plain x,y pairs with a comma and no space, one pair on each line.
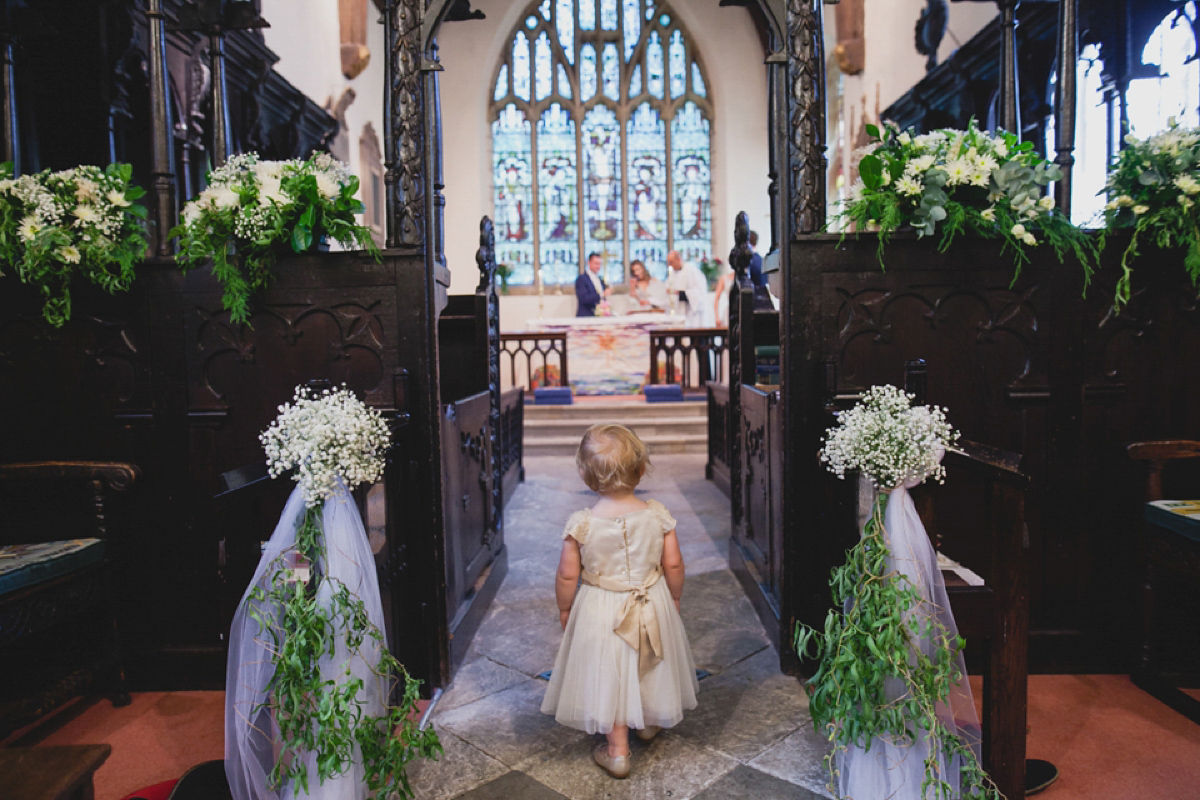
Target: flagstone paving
750,736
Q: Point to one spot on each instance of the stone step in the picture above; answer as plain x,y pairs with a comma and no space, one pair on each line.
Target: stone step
648,426
616,410
657,444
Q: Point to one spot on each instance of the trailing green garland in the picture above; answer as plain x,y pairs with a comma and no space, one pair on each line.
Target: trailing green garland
868,641
320,715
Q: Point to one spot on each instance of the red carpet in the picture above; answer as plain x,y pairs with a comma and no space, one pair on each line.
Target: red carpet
1110,740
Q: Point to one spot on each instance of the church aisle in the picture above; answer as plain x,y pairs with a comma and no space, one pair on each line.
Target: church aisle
750,735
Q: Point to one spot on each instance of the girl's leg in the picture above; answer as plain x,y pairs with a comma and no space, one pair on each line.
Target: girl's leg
618,741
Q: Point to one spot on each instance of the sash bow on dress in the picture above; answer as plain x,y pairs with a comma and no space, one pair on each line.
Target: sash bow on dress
637,621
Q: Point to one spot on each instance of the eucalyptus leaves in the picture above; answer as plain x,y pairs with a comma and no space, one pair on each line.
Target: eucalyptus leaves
55,226
252,208
1154,189
962,182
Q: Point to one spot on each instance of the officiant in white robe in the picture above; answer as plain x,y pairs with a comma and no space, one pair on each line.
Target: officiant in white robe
690,288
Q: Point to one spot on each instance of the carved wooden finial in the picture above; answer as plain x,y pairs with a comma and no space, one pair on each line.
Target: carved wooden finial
739,256
485,256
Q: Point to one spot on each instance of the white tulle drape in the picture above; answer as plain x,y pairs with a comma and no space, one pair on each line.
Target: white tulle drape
251,736
896,770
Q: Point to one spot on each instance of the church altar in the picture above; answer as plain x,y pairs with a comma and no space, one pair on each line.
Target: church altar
609,355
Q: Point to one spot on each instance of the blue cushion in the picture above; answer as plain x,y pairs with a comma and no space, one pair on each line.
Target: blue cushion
1180,516
24,565
552,396
663,393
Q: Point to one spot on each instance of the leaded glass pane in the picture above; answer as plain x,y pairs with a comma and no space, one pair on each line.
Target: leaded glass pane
654,65
633,25
531,22
649,10
587,72
564,23
608,15
564,85
587,15
543,68
612,72
520,61
558,188
646,147
698,81
691,177
545,9
665,20
512,177
602,189
678,65
501,83
635,82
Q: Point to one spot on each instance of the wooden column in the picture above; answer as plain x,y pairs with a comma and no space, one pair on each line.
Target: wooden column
220,99
741,355
806,123
1064,99
404,129
1008,105
162,151
12,147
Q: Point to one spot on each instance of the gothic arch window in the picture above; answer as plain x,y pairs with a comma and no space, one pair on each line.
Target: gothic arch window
601,141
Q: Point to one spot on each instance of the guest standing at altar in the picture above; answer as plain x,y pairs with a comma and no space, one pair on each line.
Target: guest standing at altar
590,288
690,287
646,292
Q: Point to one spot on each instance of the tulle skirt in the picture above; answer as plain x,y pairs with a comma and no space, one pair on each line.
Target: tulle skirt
595,686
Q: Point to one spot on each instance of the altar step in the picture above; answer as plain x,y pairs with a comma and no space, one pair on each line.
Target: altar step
664,427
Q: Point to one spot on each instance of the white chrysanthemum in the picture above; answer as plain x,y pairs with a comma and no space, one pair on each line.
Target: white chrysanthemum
29,228
1187,184
85,214
85,190
117,198
68,254
988,214
327,186
271,191
1140,209
908,186
958,172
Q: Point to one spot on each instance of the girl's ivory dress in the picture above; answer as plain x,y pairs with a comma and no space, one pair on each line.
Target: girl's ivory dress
624,658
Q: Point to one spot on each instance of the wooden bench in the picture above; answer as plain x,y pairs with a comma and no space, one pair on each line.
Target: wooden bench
58,630
1171,544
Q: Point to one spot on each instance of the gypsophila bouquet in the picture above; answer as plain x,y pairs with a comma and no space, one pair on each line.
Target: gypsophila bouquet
254,207
888,439
972,182
329,438
81,221
1153,190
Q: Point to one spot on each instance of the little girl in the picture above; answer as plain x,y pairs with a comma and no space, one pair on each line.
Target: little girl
624,661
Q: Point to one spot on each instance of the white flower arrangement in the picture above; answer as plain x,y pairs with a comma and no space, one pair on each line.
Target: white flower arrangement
54,225
971,181
259,206
330,438
888,439
1152,189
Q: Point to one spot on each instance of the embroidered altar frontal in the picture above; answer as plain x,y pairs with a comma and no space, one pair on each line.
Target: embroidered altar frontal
609,355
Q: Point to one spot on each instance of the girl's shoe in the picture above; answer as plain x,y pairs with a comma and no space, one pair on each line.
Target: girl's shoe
648,733
617,766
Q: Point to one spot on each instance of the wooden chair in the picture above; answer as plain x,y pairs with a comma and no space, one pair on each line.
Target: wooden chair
1171,543
58,630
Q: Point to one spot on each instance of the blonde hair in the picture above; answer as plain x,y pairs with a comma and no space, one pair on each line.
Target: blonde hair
611,457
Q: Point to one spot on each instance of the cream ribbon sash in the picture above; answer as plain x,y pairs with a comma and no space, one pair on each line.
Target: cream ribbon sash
638,621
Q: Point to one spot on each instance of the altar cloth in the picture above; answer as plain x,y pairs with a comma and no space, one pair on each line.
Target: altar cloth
608,355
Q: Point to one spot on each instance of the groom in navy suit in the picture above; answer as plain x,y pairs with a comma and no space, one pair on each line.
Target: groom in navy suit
590,288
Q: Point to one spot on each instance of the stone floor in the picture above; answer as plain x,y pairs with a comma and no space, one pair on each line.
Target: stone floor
750,736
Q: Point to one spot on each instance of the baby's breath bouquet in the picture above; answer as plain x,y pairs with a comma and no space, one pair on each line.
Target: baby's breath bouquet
314,694
971,182
1153,190
81,221
888,439
888,693
251,208
331,438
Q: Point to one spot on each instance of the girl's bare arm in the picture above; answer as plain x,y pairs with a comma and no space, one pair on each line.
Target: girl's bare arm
567,579
672,564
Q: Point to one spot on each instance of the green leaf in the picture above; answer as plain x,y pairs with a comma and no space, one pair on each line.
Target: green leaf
871,170
873,131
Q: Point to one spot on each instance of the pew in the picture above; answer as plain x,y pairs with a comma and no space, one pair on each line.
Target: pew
58,630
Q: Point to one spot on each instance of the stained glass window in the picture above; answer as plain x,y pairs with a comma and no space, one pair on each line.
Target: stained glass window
587,72
512,177
543,72
601,131
558,193
690,162
612,72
